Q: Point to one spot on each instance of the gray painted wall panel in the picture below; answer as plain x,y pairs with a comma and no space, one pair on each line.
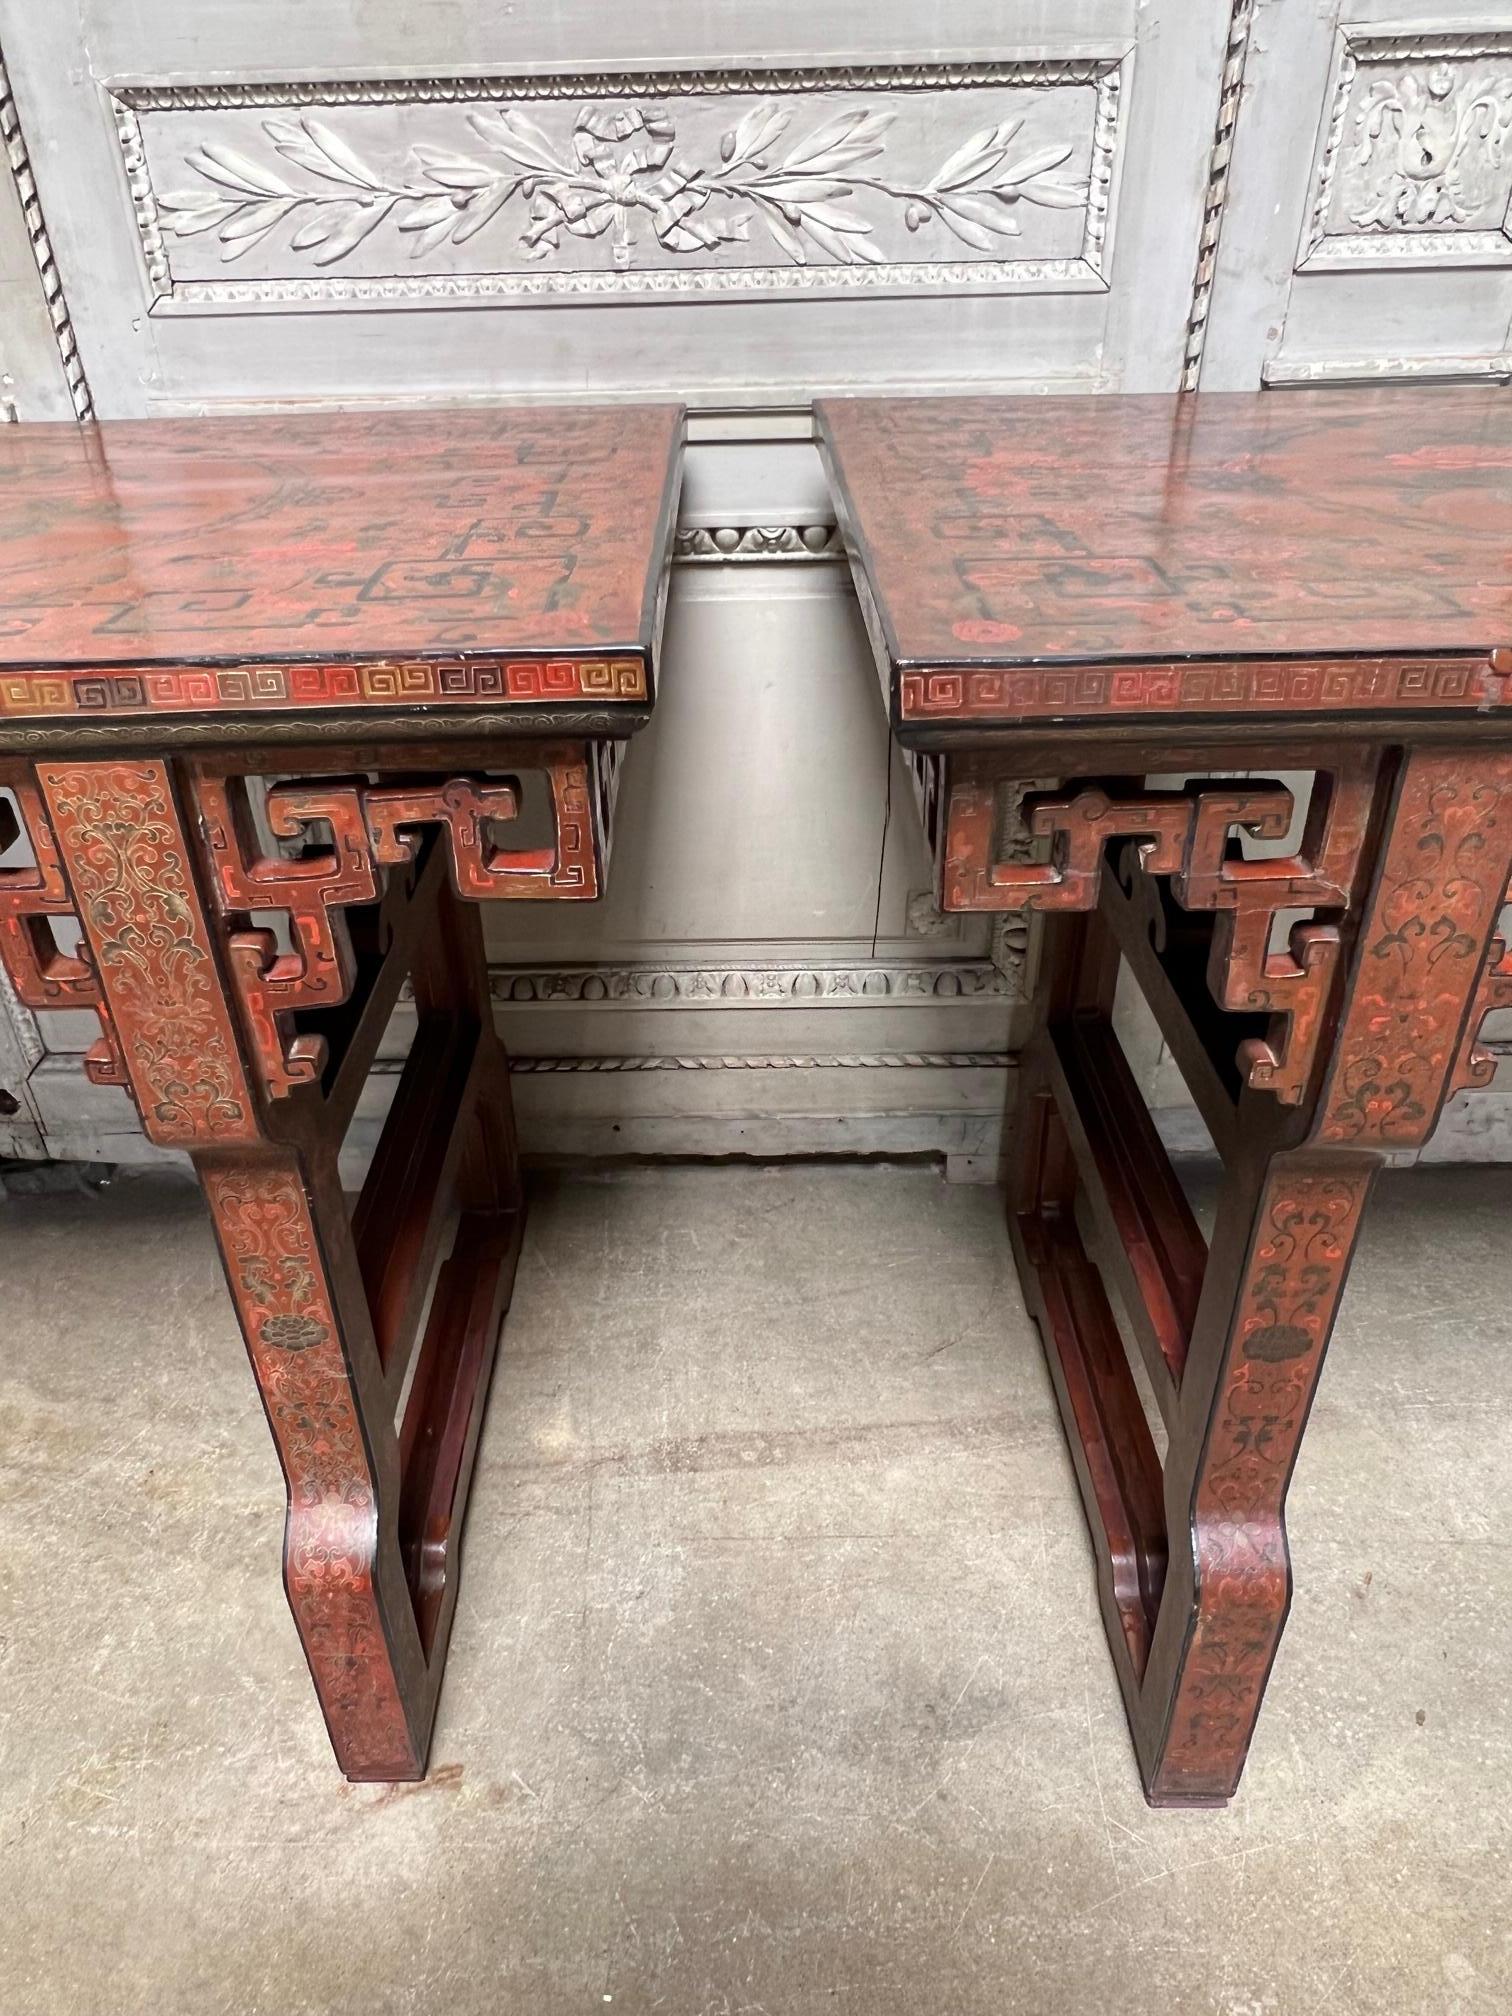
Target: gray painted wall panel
1197,193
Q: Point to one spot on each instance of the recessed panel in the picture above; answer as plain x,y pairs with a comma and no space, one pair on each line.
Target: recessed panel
407,192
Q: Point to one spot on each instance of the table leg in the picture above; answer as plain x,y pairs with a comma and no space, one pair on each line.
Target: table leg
286,1245
330,1301
1193,1566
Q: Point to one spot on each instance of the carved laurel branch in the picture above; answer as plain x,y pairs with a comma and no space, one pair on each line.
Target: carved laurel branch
619,169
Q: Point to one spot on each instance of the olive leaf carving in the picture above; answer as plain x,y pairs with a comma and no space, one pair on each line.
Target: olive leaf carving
617,175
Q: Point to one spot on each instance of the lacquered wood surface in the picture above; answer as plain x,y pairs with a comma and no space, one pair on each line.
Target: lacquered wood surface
1097,590
361,558
1265,528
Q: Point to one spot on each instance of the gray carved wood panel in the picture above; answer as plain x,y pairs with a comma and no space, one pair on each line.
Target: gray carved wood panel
243,206
758,218
680,184
1369,225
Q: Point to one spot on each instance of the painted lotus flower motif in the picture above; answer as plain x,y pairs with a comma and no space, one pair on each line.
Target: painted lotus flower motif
1274,1343
292,1333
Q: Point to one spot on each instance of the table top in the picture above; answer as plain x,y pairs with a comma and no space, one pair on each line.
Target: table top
1262,553
511,557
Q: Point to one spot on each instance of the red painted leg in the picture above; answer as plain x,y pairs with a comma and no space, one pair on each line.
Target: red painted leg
316,1366
329,1303
1244,1406
1194,1571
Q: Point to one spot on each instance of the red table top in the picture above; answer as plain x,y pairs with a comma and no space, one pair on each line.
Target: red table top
336,559
1266,552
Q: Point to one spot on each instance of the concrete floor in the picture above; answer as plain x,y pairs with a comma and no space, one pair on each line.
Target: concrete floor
777,1683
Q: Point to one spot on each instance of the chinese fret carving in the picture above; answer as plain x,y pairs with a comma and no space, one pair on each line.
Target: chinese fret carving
458,683
372,640
1291,983
1053,692
1424,940
312,889
372,829
468,810
1172,587
1161,824
31,897
1185,835
456,569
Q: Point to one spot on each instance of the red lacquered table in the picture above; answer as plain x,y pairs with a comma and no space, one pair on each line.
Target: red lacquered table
273,695
1083,593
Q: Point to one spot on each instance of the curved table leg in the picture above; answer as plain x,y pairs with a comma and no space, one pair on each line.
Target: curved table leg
312,1352
331,1301
1193,1566
1250,1377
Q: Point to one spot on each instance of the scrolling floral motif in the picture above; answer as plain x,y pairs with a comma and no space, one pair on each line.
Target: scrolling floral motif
1479,1055
1423,948
262,1219
619,168
127,859
1307,1227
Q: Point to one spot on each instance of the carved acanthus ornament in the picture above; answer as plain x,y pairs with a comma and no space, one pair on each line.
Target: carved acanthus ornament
703,544
1432,144
1415,161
